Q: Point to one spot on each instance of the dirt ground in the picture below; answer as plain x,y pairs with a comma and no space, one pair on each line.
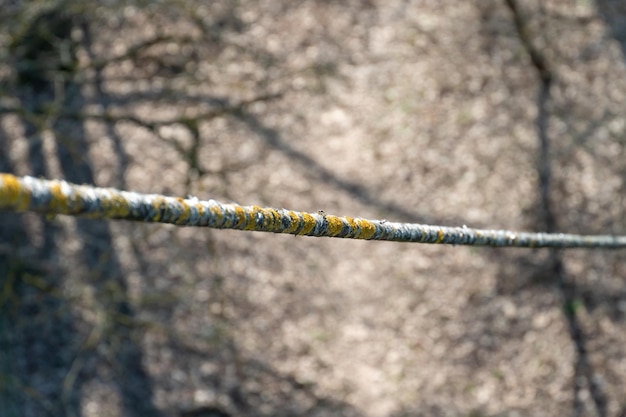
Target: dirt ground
486,113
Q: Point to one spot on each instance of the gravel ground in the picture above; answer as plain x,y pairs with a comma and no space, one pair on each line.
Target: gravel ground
408,110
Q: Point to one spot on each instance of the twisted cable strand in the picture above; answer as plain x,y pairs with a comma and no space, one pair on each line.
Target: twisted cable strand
60,197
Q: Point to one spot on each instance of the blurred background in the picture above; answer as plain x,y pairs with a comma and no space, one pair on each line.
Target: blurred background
487,113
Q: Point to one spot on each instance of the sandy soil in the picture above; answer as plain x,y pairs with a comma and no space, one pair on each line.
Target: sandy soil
408,110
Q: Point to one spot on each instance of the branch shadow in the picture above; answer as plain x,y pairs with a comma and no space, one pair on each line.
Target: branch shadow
49,348
355,189
613,12
547,270
55,357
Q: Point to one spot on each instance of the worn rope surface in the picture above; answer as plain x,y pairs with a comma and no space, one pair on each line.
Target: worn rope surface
60,197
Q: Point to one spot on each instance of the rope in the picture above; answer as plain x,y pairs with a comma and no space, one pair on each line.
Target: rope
60,197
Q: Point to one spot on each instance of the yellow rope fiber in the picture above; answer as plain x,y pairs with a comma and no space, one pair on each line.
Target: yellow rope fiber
60,197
